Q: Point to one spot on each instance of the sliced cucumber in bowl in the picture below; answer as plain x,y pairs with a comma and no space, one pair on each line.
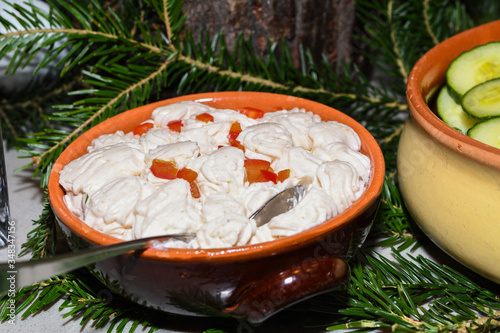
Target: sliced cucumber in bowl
487,131
483,101
470,100
473,67
452,113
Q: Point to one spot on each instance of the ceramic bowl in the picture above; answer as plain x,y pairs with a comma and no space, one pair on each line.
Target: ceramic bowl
449,181
251,282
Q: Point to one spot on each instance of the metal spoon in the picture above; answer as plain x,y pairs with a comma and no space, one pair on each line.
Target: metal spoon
28,272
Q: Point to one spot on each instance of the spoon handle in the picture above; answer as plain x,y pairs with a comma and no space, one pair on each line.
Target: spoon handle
25,273
29,272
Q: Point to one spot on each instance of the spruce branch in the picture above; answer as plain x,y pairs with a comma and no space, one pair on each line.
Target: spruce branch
42,239
394,42
99,112
8,123
167,22
392,226
427,23
296,89
410,294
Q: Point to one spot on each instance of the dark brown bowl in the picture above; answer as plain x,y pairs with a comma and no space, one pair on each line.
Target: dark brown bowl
251,282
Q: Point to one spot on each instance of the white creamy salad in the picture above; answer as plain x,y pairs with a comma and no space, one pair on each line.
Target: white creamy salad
192,168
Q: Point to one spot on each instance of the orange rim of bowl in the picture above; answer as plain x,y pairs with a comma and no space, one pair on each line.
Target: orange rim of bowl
429,74
265,101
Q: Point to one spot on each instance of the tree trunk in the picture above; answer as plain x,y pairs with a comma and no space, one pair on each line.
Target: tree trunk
322,26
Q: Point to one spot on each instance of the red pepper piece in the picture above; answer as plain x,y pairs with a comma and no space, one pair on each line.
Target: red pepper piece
256,164
253,168
283,174
205,117
268,176
175,125
142,128
251,112
237,144
195,191
190,176
234,131
164,169
187,174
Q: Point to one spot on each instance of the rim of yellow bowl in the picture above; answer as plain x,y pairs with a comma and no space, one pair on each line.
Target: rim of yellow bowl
428,75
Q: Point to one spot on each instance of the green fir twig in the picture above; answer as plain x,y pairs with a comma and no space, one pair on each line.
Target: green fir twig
411,294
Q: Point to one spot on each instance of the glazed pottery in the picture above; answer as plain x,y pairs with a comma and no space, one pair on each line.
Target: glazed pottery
251,282
449,181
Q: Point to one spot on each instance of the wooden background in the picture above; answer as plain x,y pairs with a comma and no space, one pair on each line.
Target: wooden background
323,26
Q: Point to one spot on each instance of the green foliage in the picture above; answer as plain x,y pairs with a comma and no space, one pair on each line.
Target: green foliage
414,295
118,54
393,223
42,239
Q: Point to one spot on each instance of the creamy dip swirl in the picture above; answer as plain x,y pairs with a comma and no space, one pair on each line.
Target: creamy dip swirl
115,190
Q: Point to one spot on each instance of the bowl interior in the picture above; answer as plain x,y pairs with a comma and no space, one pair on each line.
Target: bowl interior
429,74
265,101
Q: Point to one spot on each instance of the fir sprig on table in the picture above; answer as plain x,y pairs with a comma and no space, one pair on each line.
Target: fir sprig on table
126,53
415,295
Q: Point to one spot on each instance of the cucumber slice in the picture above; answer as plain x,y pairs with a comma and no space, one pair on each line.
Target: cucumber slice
452,113
483,100
487,131
473,67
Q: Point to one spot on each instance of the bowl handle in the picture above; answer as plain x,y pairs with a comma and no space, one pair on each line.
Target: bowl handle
260,299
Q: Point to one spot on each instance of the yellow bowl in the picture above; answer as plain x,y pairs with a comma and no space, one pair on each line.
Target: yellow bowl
449,181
